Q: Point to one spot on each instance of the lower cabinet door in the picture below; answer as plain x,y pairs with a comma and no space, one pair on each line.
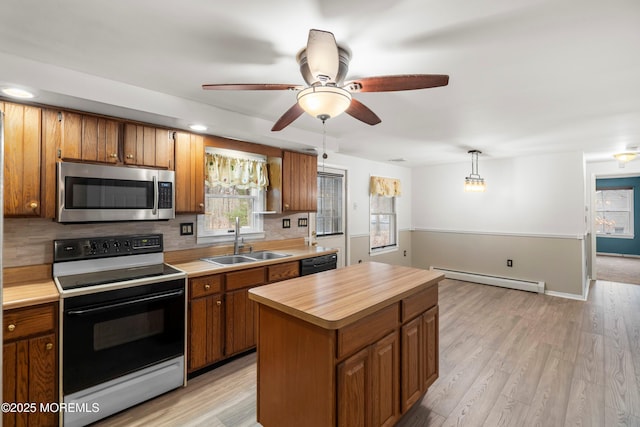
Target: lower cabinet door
240,314
29,376
412,355
205,331
430,339
385,381
353,390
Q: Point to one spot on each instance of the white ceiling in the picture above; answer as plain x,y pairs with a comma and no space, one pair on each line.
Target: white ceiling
526,76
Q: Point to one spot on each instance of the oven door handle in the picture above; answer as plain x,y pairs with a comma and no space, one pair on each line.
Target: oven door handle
156,297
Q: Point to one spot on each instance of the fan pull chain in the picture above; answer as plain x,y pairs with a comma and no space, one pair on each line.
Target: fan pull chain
324,143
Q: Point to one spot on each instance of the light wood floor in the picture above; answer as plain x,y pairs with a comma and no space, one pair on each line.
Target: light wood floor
507,358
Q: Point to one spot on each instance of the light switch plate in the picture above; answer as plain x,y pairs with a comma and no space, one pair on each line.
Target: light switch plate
286,223
186,228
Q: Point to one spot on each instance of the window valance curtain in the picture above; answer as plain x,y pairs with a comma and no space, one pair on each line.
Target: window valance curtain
380,186
233,172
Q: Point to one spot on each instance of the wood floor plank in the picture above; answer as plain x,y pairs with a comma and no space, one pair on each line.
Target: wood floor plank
507,412
523,382
549,405
586,405
590,360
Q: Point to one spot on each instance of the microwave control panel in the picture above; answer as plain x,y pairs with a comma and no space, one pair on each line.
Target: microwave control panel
103,247
165,195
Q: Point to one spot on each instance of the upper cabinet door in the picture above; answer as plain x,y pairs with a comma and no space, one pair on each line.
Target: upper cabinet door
88,138
189,150
22,126
148,146
299,182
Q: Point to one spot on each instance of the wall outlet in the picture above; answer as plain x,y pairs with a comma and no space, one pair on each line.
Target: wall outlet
186,229
509,263
286,223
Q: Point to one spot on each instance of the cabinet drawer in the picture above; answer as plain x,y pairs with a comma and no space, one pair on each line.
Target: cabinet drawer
286,270
24,322
419,303
202,286
366,331
245,278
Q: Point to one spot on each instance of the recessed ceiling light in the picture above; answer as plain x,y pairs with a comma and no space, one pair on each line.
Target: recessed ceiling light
198,128
16,92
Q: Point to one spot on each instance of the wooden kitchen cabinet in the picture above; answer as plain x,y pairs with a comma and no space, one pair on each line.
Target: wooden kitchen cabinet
240,312
189,167
22,166
86,138
206,343
299,182
30,363
368,385
148,146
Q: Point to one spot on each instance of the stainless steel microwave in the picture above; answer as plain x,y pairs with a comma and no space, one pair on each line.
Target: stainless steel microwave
101,193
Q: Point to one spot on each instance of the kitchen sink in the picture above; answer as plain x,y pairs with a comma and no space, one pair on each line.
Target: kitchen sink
241,259
262,255
229,259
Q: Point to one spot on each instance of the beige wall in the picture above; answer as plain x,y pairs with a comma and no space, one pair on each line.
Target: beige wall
556,261
359,251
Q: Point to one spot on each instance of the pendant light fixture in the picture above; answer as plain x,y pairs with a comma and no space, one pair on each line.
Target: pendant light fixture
474,183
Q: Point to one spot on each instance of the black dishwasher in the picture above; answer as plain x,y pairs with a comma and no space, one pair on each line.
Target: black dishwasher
318,264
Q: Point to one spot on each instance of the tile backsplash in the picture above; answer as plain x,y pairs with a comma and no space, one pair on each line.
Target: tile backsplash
29,241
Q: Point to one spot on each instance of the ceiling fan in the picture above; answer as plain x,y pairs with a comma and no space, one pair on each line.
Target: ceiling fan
324,66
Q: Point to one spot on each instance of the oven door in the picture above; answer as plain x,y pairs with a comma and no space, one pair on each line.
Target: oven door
109,334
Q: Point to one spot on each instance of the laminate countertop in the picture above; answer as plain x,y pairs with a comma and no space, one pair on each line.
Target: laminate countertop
197,267
336,298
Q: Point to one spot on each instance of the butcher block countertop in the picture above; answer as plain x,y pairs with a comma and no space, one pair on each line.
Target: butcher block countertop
197,267
336,298
25,286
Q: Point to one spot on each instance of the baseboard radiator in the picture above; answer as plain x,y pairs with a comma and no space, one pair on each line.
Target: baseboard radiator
523,285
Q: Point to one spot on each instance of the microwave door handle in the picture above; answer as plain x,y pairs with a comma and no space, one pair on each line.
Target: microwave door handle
155,196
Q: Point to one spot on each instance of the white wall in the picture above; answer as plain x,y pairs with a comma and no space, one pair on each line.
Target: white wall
358,173
536,195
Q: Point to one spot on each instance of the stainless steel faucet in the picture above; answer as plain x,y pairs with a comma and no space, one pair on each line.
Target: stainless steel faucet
236,244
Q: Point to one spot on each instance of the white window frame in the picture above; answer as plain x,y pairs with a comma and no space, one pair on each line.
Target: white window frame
392,247
204,236
602,213
336,204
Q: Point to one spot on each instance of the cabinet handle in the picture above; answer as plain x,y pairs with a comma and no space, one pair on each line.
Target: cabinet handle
129,156
33,205
219,302
49,346
286,206
207,287
201,205
11,327
114,155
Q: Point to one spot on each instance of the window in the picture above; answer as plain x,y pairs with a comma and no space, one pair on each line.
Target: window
614,213
330,216
235,186
383,226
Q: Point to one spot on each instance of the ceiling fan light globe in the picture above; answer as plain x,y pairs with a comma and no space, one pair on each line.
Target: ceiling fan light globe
324,101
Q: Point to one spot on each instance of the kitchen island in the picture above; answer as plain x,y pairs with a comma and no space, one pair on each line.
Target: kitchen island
350,347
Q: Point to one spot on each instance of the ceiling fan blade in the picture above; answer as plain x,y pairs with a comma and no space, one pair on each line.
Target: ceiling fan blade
288,117
397,83
322,55
252,86
359,111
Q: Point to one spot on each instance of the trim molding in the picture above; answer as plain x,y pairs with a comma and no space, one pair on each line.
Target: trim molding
492,233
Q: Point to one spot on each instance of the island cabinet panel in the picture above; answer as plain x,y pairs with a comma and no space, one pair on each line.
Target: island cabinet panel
296,372
366,357
30,363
